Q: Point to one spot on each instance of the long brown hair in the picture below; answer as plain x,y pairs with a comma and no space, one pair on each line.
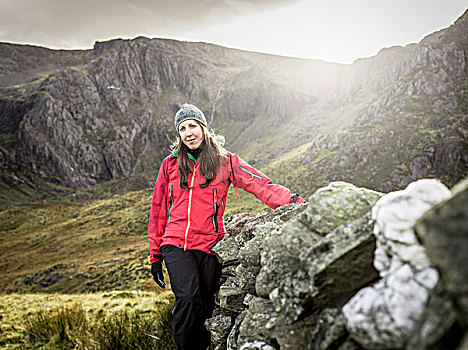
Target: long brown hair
212,157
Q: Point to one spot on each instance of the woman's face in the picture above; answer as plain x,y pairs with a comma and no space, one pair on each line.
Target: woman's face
191,133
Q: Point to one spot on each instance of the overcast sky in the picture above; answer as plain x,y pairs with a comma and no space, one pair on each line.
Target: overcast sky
332,30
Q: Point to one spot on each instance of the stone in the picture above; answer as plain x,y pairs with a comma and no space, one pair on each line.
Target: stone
227,250
249,254
231,296
336,204
399,299
256,345
231,342
293,336
246,234
330,332
305,300
438,327
246,277
51,279
219,326
444,232
338,264
276,264
254,324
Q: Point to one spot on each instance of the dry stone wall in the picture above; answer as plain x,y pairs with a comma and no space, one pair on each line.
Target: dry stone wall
343,271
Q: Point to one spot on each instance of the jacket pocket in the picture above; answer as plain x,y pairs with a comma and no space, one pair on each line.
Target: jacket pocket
215,210
245,170
171,203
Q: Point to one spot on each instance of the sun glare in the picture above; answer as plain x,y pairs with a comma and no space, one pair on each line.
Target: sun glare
337,31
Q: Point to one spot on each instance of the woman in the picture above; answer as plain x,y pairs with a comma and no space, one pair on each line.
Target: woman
186,220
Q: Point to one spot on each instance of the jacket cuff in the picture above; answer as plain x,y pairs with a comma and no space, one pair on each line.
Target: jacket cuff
156,257
297,199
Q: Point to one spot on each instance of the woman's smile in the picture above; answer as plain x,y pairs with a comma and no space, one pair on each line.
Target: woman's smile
191,134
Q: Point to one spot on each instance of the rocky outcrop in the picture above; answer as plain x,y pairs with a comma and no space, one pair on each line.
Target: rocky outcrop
110,117
79,118
345,271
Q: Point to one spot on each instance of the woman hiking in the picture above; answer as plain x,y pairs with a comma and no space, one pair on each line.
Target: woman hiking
186,220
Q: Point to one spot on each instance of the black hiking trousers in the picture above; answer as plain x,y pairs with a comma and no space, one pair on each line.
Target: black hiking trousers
194,279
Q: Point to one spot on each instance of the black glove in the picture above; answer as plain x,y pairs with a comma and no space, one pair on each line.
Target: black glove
157,272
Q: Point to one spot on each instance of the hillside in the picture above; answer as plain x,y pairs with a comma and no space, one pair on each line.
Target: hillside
103,117
77,247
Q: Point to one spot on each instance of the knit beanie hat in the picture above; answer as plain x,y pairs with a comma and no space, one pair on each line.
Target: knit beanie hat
188,111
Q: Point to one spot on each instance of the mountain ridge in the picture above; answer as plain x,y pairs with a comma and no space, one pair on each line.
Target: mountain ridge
80,118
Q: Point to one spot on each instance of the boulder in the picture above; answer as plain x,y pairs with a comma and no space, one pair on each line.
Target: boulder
387,314
444,233
302,270
438,327
335,205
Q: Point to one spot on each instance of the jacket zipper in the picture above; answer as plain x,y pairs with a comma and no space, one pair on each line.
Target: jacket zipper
215,211
250,173
171,202
189,208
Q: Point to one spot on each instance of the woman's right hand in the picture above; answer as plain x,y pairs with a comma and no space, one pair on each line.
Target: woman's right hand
158,275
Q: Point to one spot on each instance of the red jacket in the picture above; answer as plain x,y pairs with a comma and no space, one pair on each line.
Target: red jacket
193,218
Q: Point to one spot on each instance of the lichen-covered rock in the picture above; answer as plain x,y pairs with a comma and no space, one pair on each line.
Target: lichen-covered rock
277,263
250,253
259,324
444,233
227,250
254,324
240,253
219,326
338,264
231,296
231,341
246,277
294,336
319,270
246,234
386,314
330,332
335,205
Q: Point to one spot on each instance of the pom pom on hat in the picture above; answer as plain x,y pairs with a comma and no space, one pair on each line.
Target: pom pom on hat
188,111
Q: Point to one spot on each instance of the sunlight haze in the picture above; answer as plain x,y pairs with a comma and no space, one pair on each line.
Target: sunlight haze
335,30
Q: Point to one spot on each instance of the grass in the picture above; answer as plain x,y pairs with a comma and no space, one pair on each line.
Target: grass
91,246
104,241
110,320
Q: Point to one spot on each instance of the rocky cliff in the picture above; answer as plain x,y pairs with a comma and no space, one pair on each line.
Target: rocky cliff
73,119
347,270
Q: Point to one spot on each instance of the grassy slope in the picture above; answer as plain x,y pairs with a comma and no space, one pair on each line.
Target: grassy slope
93,246
17,309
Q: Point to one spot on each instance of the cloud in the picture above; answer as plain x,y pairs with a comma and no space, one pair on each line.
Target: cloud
73,23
